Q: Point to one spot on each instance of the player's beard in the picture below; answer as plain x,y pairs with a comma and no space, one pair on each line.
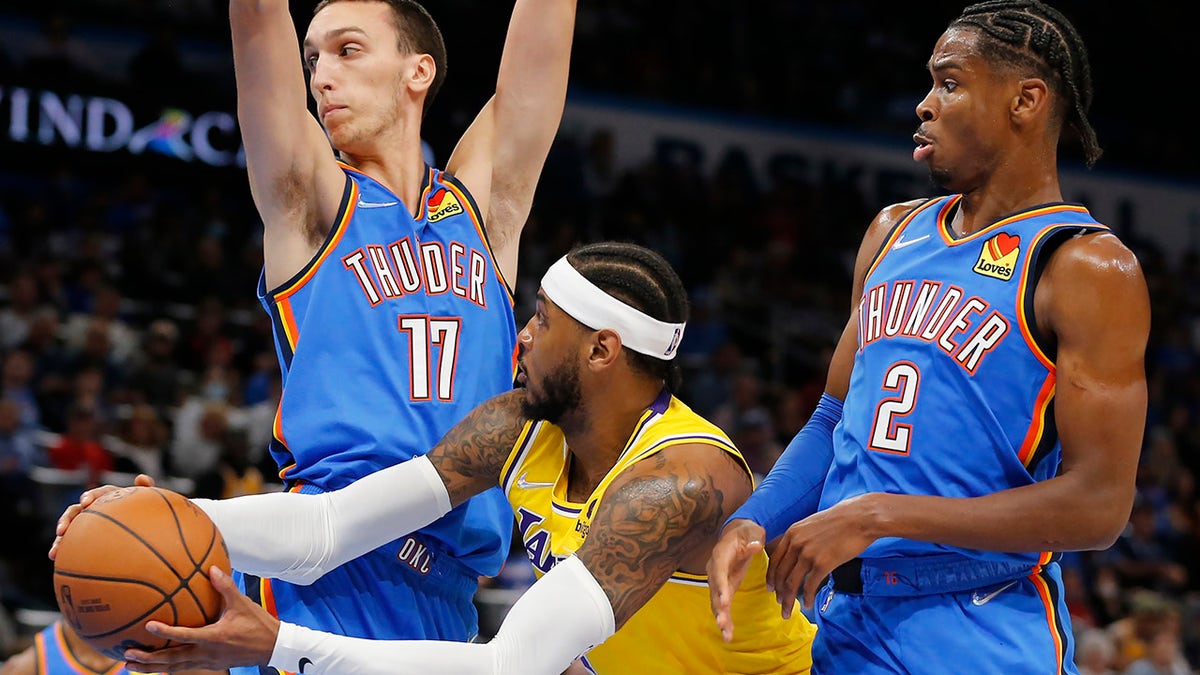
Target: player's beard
560,394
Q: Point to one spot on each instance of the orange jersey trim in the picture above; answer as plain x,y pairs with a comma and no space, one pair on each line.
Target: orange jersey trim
339,229
1022,289
64,648
1037,426
477,220
893,236
1052,618
944,226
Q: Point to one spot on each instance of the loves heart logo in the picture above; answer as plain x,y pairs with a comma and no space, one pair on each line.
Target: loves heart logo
443,204
998,259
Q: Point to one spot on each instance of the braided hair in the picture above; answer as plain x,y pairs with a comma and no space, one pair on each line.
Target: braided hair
1028,34
644,280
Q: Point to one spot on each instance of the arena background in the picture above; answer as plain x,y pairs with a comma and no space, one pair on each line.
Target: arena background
750,143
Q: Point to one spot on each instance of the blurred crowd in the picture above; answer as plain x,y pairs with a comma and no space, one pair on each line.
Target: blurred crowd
131,339
857,66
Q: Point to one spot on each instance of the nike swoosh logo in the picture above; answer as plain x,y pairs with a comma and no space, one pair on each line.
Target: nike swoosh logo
304,662
526,485
981,600
375,205
900,243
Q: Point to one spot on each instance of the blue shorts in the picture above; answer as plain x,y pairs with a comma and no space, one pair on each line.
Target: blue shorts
406,590
1014,625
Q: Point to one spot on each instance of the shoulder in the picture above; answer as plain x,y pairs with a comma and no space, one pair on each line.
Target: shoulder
1092,264
1086,269
885,221
24,663
1098,253
699,473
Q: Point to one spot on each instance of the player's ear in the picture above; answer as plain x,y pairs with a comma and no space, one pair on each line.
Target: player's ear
423,72
605,346
1032,99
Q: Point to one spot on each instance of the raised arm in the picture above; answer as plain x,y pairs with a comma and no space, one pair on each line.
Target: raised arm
294,176
500,158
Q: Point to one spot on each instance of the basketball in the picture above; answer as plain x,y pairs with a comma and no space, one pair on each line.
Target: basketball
137,554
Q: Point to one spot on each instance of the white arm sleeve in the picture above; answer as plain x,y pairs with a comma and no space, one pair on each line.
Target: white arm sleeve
298,537
563,615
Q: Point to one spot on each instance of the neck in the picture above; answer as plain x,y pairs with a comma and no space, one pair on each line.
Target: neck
396,161
87,656
599,429
1003,194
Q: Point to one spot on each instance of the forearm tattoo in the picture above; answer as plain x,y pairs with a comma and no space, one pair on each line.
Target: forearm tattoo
469,457
648,527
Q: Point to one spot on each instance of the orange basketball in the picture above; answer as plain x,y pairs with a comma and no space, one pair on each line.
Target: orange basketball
138,554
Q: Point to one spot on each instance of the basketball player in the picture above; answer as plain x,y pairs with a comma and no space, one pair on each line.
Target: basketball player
985,406
58,650
618,490
389,280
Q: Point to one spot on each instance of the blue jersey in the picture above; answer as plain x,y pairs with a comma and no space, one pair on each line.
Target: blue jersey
952,390
396,329
55,656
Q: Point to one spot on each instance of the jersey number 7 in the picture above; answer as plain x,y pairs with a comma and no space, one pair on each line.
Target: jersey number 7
431,375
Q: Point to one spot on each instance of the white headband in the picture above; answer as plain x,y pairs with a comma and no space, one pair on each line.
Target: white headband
594,308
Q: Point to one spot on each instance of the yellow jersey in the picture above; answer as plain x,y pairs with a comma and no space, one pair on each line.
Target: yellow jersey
675,631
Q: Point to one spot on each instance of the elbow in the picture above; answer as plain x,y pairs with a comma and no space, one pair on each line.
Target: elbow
1103,530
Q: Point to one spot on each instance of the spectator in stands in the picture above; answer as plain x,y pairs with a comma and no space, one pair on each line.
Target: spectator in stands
1142,557
16,384
78,447
1094,652
155,376
200,429
18,452
1163,652
17,317
141,443
122,339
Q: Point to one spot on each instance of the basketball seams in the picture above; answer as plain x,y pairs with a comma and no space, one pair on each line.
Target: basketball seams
175,589
135,535
197,565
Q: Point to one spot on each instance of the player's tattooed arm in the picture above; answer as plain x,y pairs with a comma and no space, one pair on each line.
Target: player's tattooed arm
659,516
469,457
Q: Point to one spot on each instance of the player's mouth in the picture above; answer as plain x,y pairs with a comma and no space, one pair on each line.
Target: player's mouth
327,109
924,147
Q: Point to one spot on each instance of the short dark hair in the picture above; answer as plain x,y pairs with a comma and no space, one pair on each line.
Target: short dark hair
643,279
419,34
1031,34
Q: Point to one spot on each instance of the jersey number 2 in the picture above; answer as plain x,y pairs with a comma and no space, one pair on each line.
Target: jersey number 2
888,434
430,374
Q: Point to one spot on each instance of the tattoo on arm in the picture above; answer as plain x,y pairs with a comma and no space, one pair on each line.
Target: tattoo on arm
469,457
644,530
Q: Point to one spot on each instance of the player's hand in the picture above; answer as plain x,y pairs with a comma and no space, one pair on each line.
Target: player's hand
810,550
740,541
244,636
85,500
